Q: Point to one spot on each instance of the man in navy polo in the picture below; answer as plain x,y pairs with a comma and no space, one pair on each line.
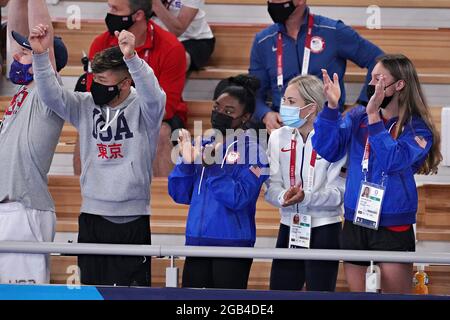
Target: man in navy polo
300,42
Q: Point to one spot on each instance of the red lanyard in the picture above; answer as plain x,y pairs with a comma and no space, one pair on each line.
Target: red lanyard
312,164
293,159
279,61
306,53
147,51
365,161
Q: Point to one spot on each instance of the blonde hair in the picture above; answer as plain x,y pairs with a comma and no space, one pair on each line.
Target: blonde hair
310,89
411,102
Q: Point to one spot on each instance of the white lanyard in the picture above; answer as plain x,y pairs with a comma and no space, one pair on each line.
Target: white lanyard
306,53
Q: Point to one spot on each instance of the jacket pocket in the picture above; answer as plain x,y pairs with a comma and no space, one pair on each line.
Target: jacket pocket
113,181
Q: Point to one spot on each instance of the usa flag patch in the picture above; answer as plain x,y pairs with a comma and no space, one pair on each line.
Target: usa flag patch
256,171
421,141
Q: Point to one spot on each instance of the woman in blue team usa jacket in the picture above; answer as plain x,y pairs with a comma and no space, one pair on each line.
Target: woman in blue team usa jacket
221,182
387,143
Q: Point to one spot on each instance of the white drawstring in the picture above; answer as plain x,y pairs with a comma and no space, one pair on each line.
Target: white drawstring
223,161
108,123
201,179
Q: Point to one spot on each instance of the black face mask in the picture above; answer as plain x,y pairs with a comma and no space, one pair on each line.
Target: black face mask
221,121
103,94
118,23
371,91
280,12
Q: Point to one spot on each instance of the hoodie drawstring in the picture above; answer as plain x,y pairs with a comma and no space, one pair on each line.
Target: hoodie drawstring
108,123
221,167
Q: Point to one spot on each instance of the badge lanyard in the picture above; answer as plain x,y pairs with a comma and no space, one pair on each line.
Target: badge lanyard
312,164
293,159
365,160
300,231
370,199
306,53
147,51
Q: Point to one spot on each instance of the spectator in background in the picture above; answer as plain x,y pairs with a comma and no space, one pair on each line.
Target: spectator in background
3,3
222,191
164,54
303,183
186,20
301,43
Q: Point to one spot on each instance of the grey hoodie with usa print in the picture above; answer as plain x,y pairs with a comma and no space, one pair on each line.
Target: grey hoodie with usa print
117,145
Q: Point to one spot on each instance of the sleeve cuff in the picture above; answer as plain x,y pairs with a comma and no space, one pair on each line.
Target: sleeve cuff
329,113
41,61
306,199
281,197
261,111
376,128
133,63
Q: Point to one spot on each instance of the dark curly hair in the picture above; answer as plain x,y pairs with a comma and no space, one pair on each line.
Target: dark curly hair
243,87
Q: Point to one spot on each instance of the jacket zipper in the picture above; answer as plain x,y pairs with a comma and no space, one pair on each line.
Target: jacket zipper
301,167
203,206
303,157
298,56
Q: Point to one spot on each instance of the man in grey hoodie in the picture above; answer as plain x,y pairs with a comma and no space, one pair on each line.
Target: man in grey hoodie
119,128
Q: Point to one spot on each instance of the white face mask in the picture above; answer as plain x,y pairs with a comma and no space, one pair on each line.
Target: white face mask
291,115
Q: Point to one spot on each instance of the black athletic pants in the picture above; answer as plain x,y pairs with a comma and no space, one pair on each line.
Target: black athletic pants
318,275
224,273
114,270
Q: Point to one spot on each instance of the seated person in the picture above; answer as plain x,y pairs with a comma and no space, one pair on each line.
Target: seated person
186,20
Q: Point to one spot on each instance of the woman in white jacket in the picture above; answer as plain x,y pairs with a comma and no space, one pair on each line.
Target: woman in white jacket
308,190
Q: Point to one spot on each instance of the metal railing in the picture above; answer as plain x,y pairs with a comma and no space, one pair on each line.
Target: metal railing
224,252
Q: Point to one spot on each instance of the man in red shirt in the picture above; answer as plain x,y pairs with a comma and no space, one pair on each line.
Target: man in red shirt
165,55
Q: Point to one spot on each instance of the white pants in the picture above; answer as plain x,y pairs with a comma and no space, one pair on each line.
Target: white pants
18,223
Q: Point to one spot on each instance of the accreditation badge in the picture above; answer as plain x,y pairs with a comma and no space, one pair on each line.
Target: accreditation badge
368,210
300,231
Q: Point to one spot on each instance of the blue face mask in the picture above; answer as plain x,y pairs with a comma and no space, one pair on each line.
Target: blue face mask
291,116
19,73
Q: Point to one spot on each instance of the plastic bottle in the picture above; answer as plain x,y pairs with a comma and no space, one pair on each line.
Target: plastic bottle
420,280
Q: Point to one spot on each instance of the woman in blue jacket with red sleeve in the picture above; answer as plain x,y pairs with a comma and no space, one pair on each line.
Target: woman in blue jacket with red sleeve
221,182
387,143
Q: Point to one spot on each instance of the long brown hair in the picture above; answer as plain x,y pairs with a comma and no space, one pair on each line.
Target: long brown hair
411,102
